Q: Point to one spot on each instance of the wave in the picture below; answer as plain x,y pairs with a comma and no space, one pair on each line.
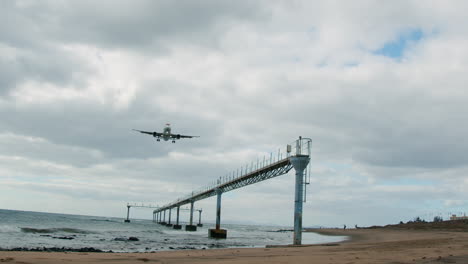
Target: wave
280,231
105,220
7,229
153,231
54,230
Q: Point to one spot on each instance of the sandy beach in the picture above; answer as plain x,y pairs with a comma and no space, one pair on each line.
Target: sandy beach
364,246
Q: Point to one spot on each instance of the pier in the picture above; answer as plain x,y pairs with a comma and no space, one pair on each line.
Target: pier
160,218
127,220
297,156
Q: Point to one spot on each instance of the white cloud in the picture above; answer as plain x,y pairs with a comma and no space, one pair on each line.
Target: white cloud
248,77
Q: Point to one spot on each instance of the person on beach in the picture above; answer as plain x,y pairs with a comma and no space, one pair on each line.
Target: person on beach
344,227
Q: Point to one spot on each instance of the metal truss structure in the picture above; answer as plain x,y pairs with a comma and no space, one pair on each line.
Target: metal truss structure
272,170
142,205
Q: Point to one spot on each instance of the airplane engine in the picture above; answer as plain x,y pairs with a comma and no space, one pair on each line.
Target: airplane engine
154,134
178,136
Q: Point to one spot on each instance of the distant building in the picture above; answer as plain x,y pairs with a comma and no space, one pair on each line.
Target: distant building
455,217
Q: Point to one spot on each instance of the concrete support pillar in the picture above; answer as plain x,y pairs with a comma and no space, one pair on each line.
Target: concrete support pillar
218,232
299,163
128,215
199,218
178,209
169,221
191,227
191,213
177,226
218,210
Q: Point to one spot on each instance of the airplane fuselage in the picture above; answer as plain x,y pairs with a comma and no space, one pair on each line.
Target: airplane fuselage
166,133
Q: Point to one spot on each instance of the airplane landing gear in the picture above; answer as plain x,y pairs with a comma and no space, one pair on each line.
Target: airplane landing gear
157,139
173,141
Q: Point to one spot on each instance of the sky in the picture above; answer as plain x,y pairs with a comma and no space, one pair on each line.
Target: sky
380,87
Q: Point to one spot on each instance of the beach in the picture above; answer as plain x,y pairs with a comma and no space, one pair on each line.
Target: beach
364,246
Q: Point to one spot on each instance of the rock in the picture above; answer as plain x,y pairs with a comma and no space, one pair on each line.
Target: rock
283,230
64,237
56,249
90,249
126,239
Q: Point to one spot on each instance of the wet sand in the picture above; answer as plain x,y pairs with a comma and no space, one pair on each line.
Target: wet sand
365,246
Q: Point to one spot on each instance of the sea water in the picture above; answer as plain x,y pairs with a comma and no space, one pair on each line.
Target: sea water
20,229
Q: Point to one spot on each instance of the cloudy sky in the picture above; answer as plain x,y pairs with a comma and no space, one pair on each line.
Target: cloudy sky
380,86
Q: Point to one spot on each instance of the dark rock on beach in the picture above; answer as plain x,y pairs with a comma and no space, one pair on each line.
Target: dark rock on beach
64,237
54,249
281,231
126,239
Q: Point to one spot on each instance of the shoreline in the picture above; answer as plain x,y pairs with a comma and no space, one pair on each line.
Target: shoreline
364,246
64,249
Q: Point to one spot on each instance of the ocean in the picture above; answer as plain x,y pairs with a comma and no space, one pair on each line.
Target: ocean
35,230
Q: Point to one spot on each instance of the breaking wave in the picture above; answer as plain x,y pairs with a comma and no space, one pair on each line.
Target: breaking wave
54,230
6,229
105,220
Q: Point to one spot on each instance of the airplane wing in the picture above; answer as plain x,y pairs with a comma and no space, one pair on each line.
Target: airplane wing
154,134
177,136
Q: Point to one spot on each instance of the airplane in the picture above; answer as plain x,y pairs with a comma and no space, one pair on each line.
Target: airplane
166,134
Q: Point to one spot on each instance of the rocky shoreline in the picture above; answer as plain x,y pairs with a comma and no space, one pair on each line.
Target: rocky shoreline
96,250
56,249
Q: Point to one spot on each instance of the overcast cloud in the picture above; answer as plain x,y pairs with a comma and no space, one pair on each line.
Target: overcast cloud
379,86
